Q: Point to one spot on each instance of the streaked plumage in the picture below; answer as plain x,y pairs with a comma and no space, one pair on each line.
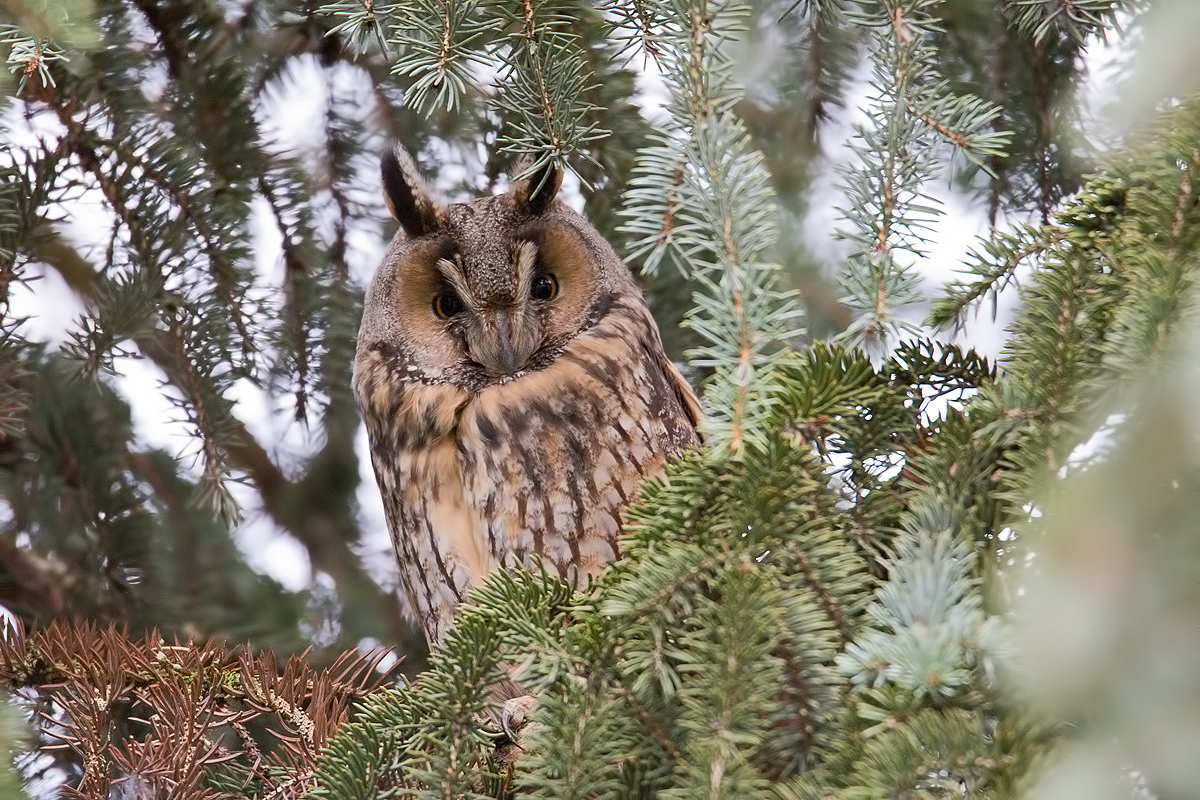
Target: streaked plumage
521,423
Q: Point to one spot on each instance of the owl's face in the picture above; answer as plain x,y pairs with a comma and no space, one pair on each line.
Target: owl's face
475,293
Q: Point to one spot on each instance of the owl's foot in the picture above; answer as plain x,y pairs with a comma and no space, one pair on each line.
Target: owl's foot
514,716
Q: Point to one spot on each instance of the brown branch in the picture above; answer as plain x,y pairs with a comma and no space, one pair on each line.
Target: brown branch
949,134
668,221
1185,200
37,586
91,682
530,43
1043,122
642,23
651,725
175,50
444,54
78,141
816,67
214,464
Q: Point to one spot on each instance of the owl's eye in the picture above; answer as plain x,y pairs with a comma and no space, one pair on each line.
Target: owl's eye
545,287
446,305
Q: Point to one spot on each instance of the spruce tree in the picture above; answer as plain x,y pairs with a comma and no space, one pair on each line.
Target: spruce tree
825,601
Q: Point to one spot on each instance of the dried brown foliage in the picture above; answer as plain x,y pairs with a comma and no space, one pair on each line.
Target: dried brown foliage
148,719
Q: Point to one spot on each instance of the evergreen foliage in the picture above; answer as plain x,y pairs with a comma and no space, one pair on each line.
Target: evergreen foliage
822,602
1128,685
707,659
699,199
11,742
911,111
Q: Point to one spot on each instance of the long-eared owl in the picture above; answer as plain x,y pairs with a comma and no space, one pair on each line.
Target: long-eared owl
514,388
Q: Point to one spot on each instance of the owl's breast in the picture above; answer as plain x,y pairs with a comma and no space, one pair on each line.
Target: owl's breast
436,530
553,457
540,465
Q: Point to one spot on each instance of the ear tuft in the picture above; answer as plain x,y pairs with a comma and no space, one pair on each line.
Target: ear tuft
406,194
538,188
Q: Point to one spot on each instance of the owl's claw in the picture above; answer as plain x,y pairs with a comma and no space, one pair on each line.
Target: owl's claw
514,715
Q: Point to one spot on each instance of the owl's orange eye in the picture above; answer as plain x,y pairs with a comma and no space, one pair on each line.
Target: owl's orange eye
545,287
446,305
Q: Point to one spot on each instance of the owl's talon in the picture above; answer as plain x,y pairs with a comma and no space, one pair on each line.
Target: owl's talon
514,715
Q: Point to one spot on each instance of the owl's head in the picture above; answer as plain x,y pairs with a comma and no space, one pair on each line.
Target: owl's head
474,293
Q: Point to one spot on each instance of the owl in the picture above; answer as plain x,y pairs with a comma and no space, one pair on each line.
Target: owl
513,385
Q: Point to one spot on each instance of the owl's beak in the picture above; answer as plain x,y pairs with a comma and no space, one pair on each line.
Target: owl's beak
504,349
506,352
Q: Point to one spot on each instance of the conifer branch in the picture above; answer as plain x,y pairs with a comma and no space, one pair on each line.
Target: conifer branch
79,139
288,502
364,23
817,585
294,271
1074,18
205,415
686,185
438,42
887,204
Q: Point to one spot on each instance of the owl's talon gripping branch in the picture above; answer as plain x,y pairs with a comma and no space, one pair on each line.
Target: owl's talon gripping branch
512,743
514,388
514,715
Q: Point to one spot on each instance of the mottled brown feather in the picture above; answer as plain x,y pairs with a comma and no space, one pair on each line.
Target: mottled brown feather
479,469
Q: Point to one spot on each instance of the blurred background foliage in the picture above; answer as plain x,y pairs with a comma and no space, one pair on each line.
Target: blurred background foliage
961,569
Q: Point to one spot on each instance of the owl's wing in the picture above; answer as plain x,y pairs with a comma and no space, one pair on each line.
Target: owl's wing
677,401
685,393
